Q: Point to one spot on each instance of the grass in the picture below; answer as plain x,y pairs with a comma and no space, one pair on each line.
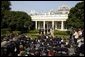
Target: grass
65,37
63,34
5,31
35,33
56,32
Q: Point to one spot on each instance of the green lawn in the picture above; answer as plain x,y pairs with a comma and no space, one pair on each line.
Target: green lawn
31,35
65,37
35,33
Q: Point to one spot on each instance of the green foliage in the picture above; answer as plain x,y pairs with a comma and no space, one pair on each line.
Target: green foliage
5,31
5,5
34,31
56,32
33,34
16,20
76,16
16,32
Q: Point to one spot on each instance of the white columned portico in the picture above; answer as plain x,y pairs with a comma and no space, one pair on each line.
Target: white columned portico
36,25
62,25
56,21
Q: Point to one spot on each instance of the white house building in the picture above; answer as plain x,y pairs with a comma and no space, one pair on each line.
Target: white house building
54,19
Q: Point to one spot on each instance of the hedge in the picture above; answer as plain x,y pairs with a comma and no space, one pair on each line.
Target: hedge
61,32
5,31
34,31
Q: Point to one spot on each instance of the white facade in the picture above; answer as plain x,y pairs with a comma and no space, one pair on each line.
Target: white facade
54,19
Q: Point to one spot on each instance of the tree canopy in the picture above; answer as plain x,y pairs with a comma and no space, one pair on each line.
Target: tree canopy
5,5
76,16
14,20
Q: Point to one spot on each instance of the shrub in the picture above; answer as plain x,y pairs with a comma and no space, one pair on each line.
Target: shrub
61,32
33,31
17,32
5,31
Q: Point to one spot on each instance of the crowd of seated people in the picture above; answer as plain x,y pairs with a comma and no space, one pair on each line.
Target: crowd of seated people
21,45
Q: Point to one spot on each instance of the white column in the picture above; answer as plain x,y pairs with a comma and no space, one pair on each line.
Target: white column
44,26
36,25
62,25
56,25
52,32
52,24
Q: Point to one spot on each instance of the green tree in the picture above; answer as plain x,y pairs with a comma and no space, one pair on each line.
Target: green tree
19,21
5,8
76,16
5,5
14,20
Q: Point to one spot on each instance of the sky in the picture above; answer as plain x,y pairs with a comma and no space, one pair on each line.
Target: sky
39,5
